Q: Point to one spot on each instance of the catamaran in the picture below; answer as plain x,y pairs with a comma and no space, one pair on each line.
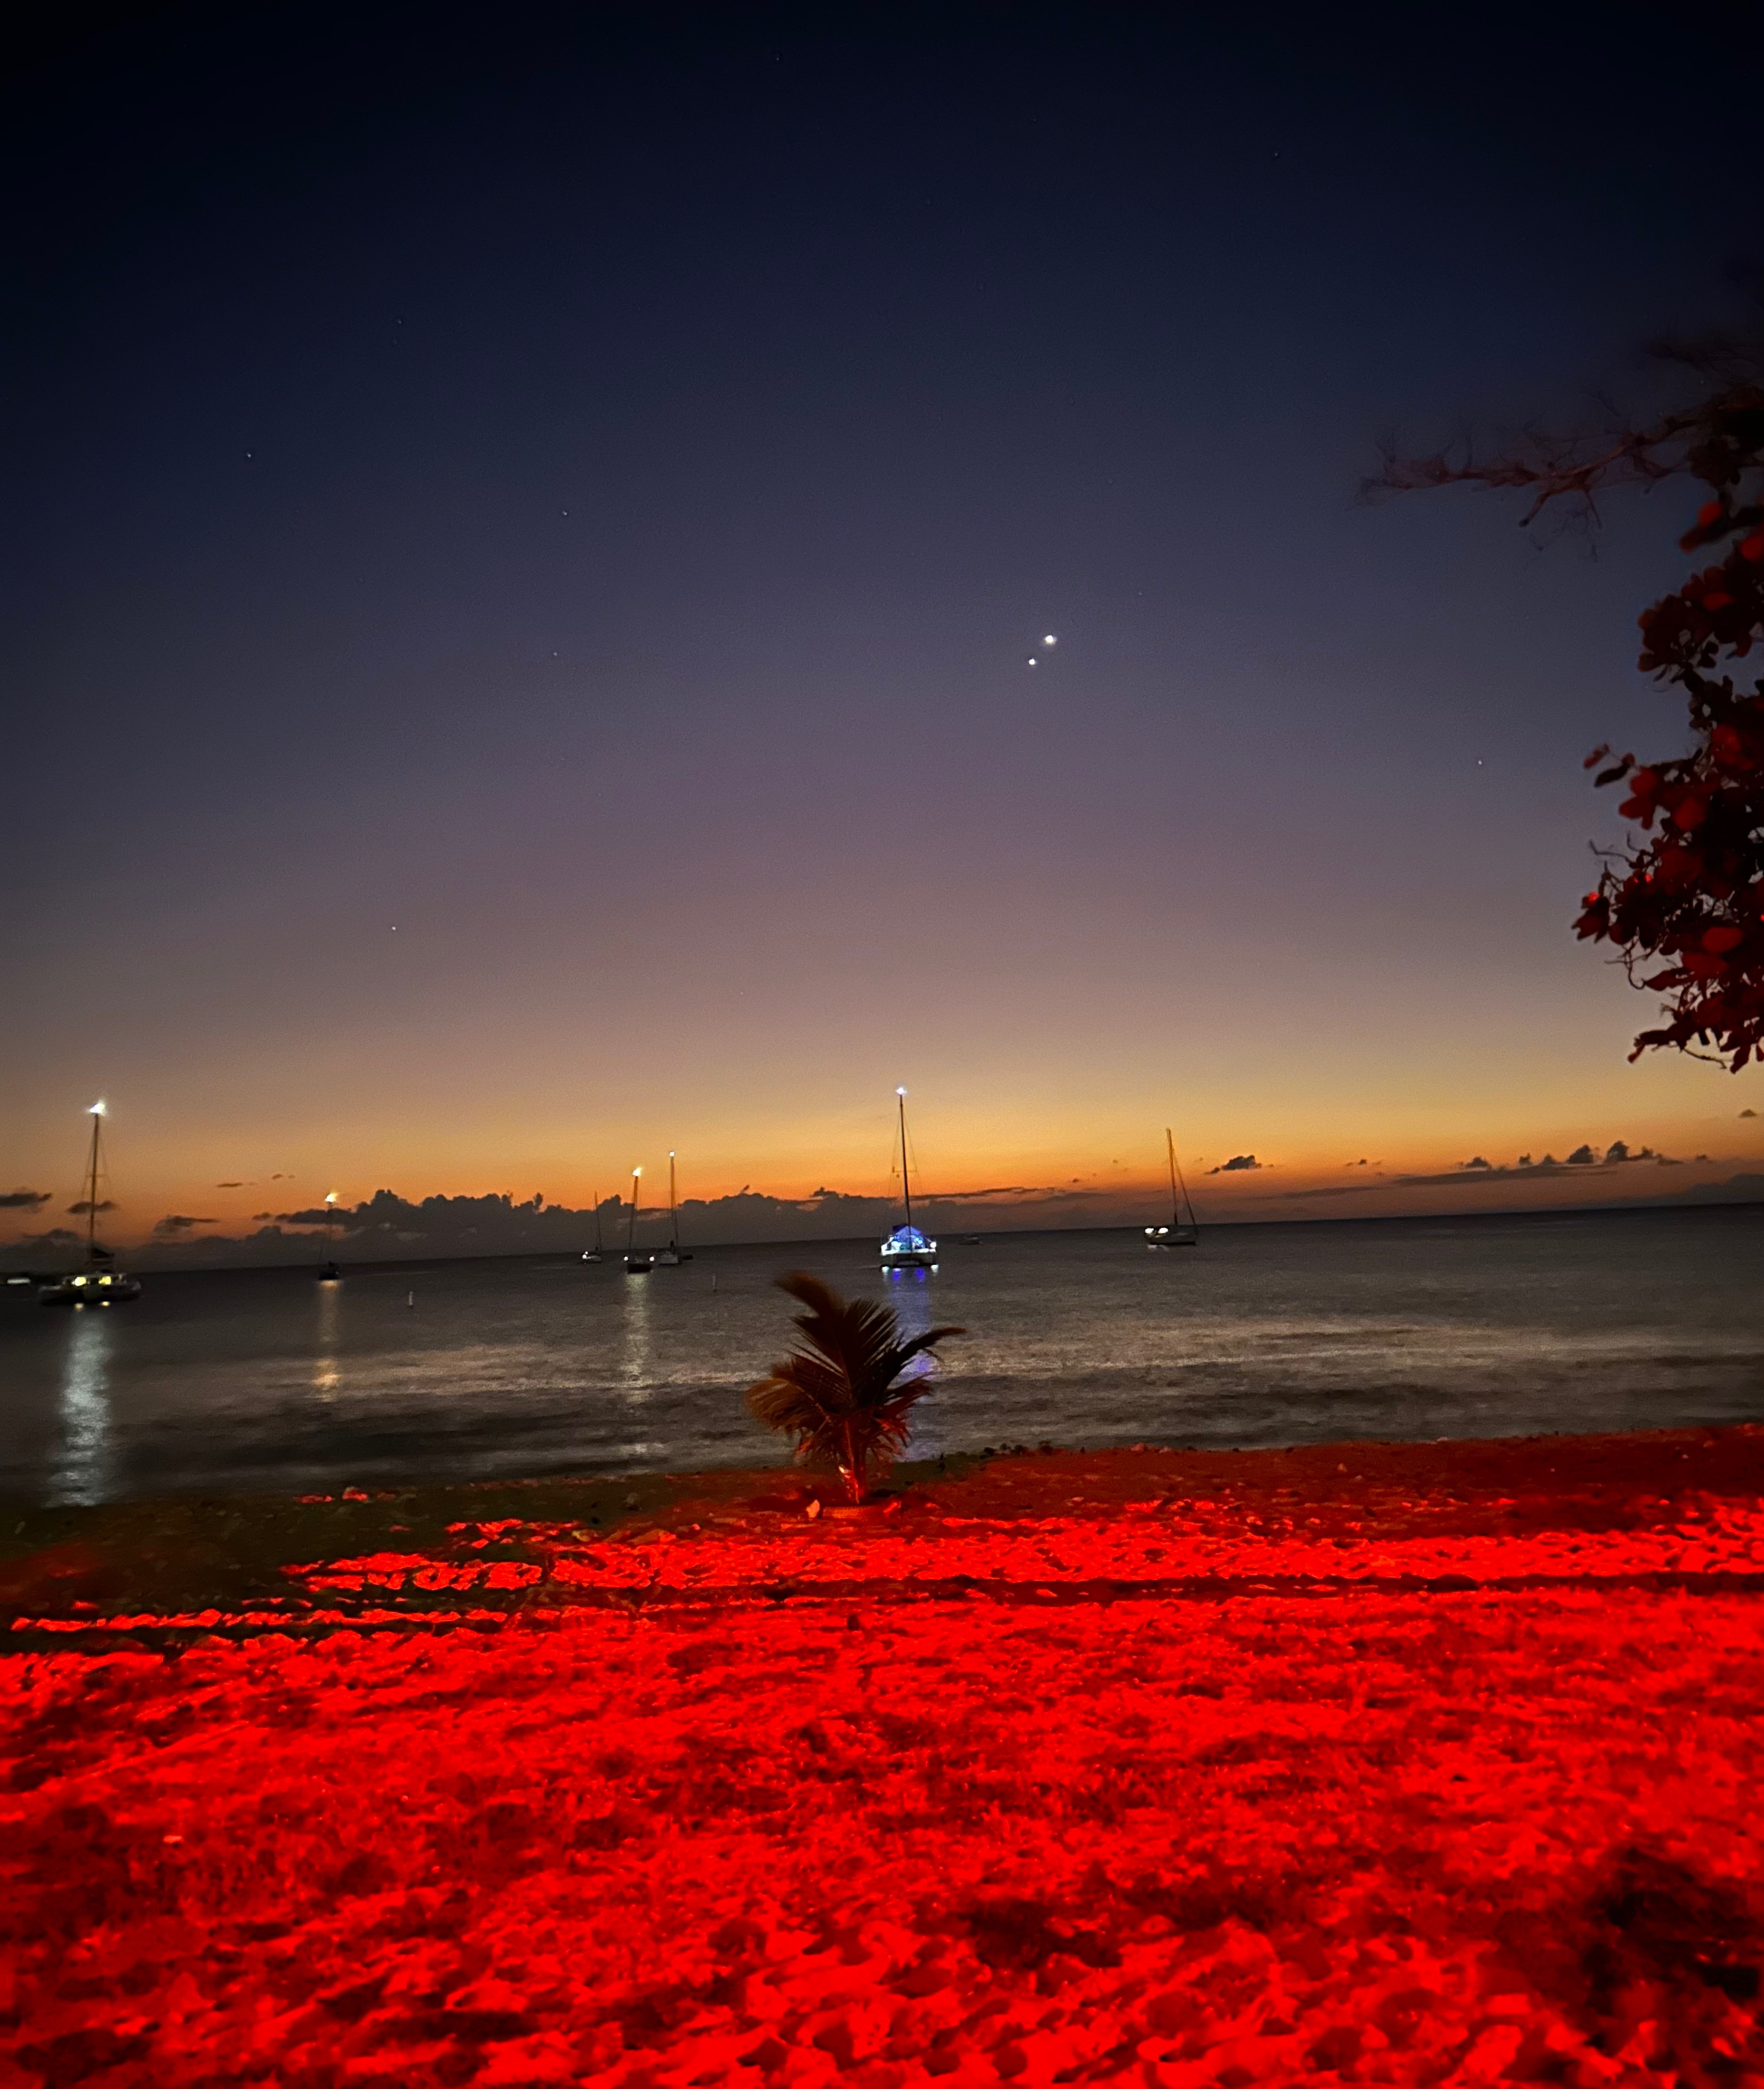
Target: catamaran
100,1282
671,1256
906,1247
597,1252
1179,1233
635,1264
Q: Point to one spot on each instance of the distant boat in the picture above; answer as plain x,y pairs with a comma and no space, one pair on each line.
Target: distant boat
906,1247
597,1253
635,1264
329,1272
1180,1232
100,1282
671,1256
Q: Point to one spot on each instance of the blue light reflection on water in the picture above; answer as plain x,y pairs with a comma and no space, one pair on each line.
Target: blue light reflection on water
259,1380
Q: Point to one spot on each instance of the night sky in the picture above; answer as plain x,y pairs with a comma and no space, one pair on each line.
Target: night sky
525,535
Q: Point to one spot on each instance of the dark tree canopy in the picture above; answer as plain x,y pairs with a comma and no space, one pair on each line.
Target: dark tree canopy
1684,902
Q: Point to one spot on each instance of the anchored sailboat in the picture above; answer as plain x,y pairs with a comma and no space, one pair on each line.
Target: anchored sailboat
635,1264
100,1283
597,1252
329,1272
1179,1233
906,1247
671,1256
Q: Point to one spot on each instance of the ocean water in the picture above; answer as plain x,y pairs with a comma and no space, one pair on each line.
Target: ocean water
263,1380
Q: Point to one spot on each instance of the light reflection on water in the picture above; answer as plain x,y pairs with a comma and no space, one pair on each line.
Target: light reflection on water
265,1380
636,1370
83,1474
326,1374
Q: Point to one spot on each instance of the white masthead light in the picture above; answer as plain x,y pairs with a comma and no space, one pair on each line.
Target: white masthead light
97,1110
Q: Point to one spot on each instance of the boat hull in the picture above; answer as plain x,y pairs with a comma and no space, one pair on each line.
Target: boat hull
116,1289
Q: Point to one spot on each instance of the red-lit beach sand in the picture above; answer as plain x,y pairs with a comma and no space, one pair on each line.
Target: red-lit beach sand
1377,1764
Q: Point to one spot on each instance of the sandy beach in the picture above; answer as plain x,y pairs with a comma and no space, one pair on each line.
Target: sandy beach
1372,1762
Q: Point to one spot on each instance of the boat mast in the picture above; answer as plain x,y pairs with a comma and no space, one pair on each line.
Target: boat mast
96,1115
906,1180
597,1222
1176,1169
1175,1207
673,1222
630,1231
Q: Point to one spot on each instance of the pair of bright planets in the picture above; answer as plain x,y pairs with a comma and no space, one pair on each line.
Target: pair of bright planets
1048,643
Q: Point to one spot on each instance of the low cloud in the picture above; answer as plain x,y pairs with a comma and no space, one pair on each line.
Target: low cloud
1335,1190
1749,1112
231,1186
86,1207
1525,1169
175,1224
23,1200
1239,1164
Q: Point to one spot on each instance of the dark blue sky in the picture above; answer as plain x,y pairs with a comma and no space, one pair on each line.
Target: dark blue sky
585,490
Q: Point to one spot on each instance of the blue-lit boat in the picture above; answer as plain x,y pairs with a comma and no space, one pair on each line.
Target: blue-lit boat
906,1247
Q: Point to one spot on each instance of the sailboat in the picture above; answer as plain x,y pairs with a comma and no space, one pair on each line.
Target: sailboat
671,1257
329,1272
906,1247
1179,1233
100,1282
635,1264
597,1252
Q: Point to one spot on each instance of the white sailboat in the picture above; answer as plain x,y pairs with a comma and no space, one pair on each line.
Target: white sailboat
906,1247
1179,1233
100,1282
635,1264
671,1256
330,1272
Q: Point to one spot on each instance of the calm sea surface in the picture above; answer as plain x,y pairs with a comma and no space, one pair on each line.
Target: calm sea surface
263,1380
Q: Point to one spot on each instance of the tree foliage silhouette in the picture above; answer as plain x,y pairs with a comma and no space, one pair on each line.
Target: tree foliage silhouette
838,1393
1689,898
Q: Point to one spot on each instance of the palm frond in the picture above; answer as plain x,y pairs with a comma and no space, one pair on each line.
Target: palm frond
837,1392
